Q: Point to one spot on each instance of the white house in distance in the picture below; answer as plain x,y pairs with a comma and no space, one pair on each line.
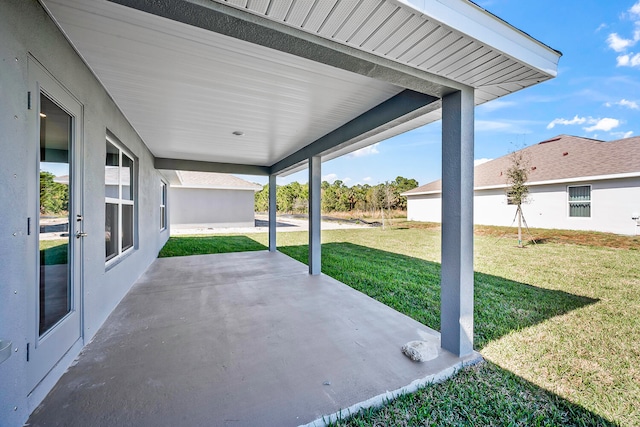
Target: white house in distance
210,200
574,183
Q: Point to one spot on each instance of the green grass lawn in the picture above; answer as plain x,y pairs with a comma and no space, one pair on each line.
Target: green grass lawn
53,251
558,323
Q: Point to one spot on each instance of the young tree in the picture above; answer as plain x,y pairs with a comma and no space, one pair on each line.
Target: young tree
517,190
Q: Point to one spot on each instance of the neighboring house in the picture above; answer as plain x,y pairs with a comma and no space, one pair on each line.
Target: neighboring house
136,89
574,183
209,199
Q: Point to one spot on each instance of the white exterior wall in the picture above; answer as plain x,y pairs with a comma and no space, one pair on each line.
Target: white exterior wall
612,204
25,29
204,207
425,207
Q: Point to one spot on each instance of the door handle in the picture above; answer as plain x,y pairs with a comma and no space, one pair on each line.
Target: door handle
80,234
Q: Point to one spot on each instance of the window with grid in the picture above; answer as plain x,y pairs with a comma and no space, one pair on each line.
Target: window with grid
580,201
119,182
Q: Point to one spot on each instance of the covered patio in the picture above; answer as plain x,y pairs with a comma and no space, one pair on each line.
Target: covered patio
271,87
242,339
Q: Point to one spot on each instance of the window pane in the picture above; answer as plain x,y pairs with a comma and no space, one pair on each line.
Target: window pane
55,145
580,209
111,230
126,177
580,194
163,221
127,227
111,172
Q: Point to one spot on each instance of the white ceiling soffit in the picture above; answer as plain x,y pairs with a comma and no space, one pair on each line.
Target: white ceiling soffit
187,89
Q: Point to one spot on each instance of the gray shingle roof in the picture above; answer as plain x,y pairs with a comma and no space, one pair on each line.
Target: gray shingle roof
214,180
561,158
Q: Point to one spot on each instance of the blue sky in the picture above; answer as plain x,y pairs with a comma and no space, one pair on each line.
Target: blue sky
596,93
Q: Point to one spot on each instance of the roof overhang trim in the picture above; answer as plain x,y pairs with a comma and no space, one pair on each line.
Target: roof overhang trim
484,26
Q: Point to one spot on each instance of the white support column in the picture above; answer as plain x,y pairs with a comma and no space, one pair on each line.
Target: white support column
457,223
272,213
314,215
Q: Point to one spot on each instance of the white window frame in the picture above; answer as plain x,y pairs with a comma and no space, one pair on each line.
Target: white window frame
122,151
569,201
163,205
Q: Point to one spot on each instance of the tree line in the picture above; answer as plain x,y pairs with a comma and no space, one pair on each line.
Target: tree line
338,197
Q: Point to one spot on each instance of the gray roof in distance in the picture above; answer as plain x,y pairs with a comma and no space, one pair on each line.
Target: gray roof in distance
561,158
213,180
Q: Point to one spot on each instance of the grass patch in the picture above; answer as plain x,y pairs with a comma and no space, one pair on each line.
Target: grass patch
561,317
53,251
201,245
543,235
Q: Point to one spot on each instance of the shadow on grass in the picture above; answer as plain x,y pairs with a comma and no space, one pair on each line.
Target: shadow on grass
412,286
203,245
480,395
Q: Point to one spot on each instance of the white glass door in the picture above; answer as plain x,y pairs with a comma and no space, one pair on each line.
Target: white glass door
58,225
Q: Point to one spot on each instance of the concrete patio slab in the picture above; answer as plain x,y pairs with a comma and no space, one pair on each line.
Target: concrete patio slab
241,339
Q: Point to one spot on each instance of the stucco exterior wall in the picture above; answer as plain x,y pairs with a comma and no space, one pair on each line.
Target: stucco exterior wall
427,208
26,29
613,202
201,207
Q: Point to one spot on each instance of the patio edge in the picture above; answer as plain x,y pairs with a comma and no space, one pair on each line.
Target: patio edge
379,400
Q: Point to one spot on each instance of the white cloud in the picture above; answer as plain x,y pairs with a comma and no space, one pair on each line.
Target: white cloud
605,125
477,162
366,151
575,121
633,105
619,44
622,134
330,177
366,179
347,179
628,60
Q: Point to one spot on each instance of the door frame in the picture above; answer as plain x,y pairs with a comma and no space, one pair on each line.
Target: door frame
44,352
